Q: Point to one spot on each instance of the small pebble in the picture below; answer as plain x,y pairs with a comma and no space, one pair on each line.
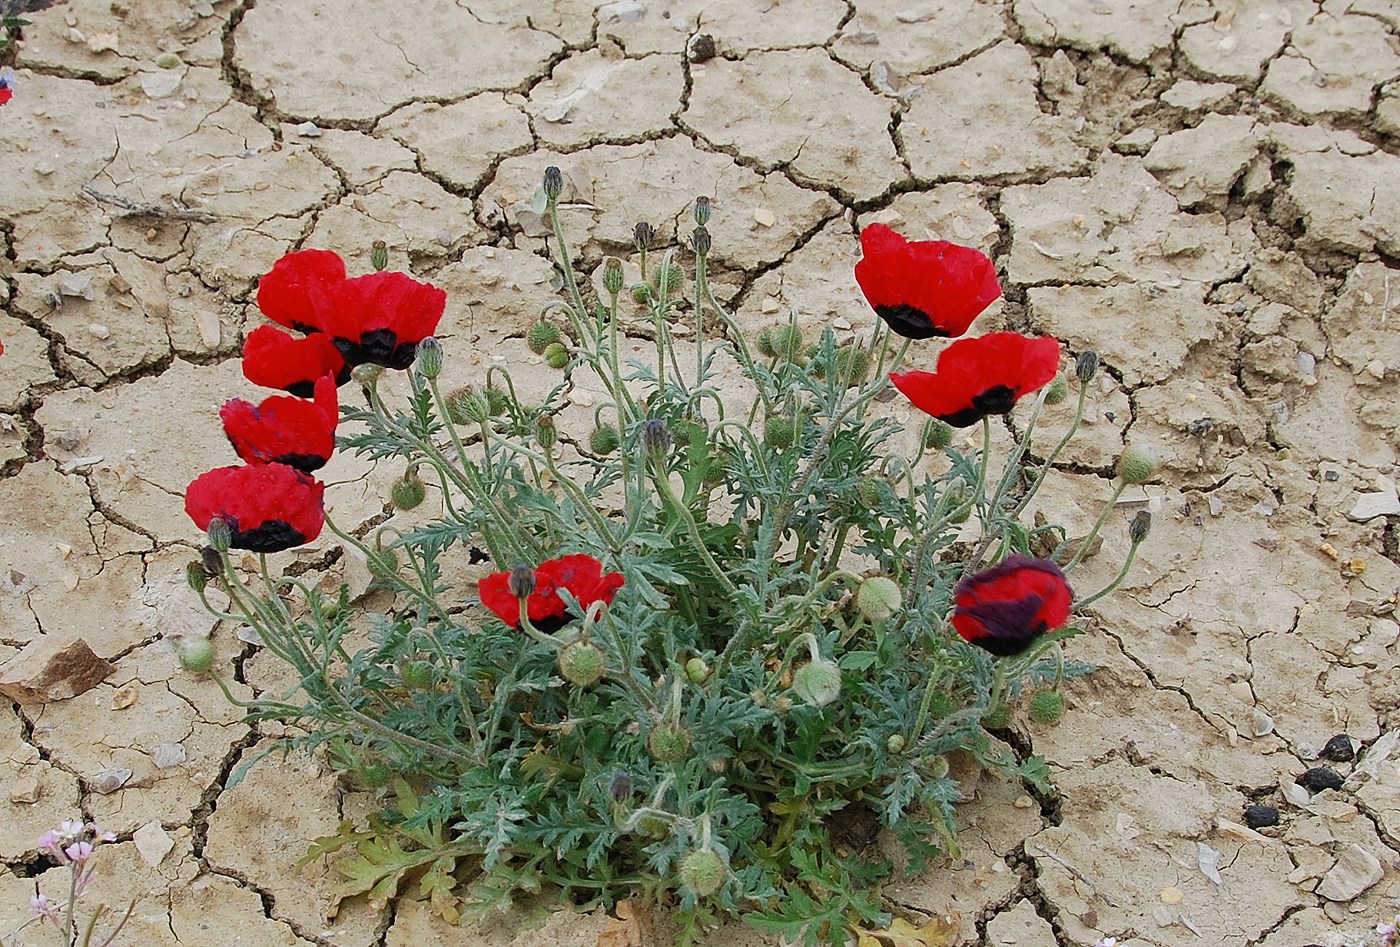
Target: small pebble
1259,817
1339,749
1319,778
309,130
702,48
765,217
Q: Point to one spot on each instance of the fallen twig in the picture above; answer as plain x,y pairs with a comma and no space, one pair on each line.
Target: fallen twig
138,209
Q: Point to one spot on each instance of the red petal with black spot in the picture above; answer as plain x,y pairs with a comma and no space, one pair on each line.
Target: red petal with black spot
981,376
274,359
580,573
285,430
1004,609
268,507
382,317
296,292
924,288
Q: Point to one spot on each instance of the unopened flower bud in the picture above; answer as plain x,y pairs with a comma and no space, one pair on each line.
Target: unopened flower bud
818,683
408,491
787,341
1058,390
430,358
1086,365
379,255
656,438
668,742
779,432
643,235
553,183
521,581
556,355
1140,526
195,654
939,767
997,718
417,675
642,293
219,534
852,364
367,374
196,577
604,440
668,279
895,743
878,598
702,211
497,401
468,406
700,241
612,275
765,344
211,560
581,663
696,670
541,336
1047,707
937,435
383,565
620,787
703,872
545,432
1137,465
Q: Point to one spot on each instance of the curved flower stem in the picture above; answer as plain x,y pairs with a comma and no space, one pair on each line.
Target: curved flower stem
663,486
566,263
1050,458
1117,580
1098,525
426,600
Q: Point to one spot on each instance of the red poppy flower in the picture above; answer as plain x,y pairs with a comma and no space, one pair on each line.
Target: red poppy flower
274,359
285,430
981,376
925,288
7,84
295,292
1004,609
382,317
581,574
268,507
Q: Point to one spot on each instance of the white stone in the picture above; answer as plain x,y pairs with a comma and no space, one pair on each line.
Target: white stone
623,11
309,130
1370,505
152,843
1353,873
163,83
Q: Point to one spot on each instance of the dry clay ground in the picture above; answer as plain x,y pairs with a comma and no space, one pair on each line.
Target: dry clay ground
1206,192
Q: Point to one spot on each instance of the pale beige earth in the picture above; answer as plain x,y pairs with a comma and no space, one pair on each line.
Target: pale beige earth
1206,191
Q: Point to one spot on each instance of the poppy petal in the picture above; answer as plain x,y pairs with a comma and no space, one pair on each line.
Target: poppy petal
296,292
1004,609
283,429
268,507
579,573
924,288
274,359
381,317
981,376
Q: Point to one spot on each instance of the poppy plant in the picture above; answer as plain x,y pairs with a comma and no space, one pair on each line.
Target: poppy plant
1004,609
924,288
381,317
267,507
285,430
274,359
580,574
294,293
981,376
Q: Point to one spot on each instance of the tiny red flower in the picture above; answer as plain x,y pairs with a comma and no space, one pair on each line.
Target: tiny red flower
382,317
924,288
981,376
7,84
295,292
285,430
268,507
274,359
580,573
1004,609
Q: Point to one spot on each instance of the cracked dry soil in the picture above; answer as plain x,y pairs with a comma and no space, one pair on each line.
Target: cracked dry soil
1206,191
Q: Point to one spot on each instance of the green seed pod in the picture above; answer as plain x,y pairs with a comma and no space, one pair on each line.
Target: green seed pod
998,718
417,675
195,575
853,364
1058,390
668,280
541,336
195,654
668,743
612,275
642,293
1047,707
408,491
604,440
384,564
1137,465
219,534
817,683
429,358
696,670
787,341
779,432
545,432
895,743
878,598
368,374
556,356
497,401
703,872
937,435
581,663
379,255
765,344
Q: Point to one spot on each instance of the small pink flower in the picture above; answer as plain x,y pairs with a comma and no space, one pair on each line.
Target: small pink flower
39,906
49,842
79,852
1386,933
99,834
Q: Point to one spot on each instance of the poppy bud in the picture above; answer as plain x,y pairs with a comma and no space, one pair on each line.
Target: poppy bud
668,742
468,406
497,401
620,787
556,356
196,576
430,358
787,341
383,565
702,211
765,344
878,598
852,364
379,255
668,279
417,675
1137,465
408,491
997,718
1047,707
374,773
367,374
656,438
894,743
818,683
612,275
700,241
541,336
219,534
703,872
195,654
521,581
696,670
642,293
1058,390
939,767
604,440
581,663
643,235
1139,527
937,435
941,704
545,432
553,183
211,560
1086,365
779,432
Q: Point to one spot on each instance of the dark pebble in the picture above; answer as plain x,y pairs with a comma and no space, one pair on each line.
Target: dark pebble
1319,778
702,48
1260,817
1339,749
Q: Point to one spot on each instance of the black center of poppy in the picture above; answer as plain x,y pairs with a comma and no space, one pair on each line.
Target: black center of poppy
302,389
380,346
272,536
997,399
306,463
1011,626
910,322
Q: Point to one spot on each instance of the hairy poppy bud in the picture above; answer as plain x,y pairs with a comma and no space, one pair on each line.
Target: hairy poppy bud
367,374
1086,365
643,235
430,358
604,440
408,491
581,663
417,675
700,241
818,683
696,670
878,598
702,211
668,742
787,341
620,787
1047,707
468,406
556,356
379,255
196,577
703,872
521,581
219,534
553,183
997,718
541,336
195,654
497,401
765,344
779,432
668,279
612,275
937,435
852,364
1139,527
384,564
1137,465
656,438
545,432
895,743
1058,390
